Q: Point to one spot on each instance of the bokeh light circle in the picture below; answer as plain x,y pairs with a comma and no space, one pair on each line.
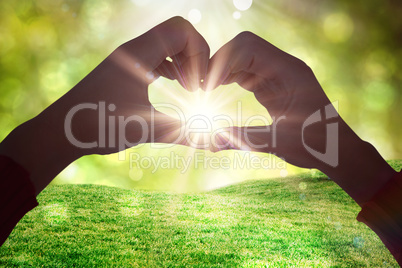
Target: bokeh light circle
358,242
136,174
236,15
338,27
194,16
302,186
242,4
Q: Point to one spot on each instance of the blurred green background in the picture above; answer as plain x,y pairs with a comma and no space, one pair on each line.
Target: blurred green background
354,48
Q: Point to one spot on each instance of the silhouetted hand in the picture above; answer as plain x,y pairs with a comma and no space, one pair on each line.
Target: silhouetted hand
306,130
109,110
120,84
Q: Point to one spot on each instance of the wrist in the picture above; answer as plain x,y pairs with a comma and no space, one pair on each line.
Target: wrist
361,171
40,149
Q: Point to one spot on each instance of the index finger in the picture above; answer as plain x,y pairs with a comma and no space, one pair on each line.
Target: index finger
247,53
172,37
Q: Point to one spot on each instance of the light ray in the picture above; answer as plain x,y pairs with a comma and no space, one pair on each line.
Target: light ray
206,104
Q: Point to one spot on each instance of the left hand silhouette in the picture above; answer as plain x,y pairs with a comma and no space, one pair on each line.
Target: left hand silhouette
121,82
109,110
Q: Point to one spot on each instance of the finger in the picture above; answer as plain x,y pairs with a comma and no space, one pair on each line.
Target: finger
218,69
172,37
164,129
168,130
246,80
186,70
167,70
182,75
245,53
226,62
173,71
256,139
269,92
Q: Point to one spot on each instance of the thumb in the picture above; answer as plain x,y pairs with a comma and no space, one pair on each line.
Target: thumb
165,129
256,139
168,130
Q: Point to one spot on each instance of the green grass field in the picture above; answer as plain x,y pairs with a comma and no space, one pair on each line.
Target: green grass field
302,221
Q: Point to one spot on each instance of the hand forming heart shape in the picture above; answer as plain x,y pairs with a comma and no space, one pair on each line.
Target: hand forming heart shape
111,104
118,90
285,86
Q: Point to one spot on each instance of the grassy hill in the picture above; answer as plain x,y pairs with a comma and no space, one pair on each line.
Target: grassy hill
302,221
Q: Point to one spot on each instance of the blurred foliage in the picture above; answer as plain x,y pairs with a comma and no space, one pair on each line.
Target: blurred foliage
354,47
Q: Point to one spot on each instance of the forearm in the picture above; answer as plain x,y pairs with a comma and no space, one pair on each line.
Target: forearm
41,150
361,171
